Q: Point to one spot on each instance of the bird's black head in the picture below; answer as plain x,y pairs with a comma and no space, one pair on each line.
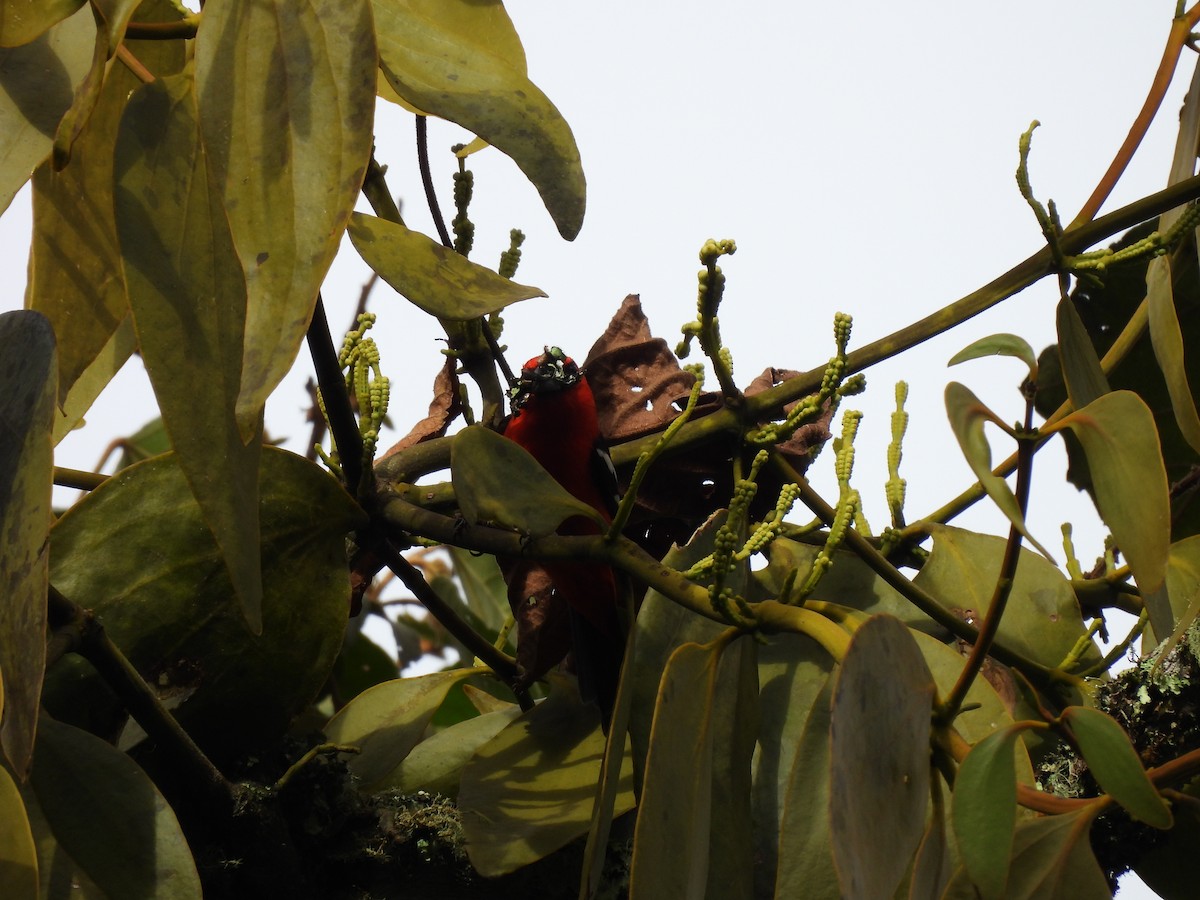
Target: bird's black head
545,374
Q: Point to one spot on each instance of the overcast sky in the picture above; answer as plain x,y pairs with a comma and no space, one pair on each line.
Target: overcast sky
861,155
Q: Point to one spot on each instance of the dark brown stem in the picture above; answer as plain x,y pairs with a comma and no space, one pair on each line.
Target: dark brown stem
427,180
332,383
502,664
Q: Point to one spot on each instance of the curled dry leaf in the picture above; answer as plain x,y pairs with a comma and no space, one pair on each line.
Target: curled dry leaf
444,408
543,625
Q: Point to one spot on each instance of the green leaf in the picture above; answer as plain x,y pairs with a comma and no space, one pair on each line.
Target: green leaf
998,345
75,276
188,297
933,865
1106,749
40,79
137,552
388,720
1169,866
735,723
362,664
1042,618
18,854
110,817
529,790
22,21
1167,339
435,765
286,96
27,391
967,416
1118,435
496,480
461,60
671,843
805,851
1080,365
984,808
1183,593
434,278
879,787
1052,860
483,589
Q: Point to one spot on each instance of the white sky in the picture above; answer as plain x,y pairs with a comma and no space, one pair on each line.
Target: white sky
861,155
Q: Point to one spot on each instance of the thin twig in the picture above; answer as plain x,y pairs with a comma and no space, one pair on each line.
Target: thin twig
332,382
427,180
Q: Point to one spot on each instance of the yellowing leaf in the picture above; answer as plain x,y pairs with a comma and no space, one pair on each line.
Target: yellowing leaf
188,297
388,720
286,95
434,278
21,21
40,78
27,389
18,854
1121,443
462,61
671,841
967,417
75,275
529,790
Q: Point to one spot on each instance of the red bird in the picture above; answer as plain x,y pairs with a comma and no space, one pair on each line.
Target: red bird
554,419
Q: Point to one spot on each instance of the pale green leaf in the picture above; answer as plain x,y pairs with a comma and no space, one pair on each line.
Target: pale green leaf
998,345
517,808
496,480
1080,365
671,842
95,378
1183,591
985,810
27,391
1052,860
933,865
160,585
967,417
110,817
1121,443
39,80
1042,618
21,21
1167,339
461,60
188,298
805,851
1114,762
879,789
18,854
286,95
434,278
435,764
385,722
